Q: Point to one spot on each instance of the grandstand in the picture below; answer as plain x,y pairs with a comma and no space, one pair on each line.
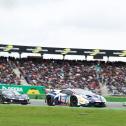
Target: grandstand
108,78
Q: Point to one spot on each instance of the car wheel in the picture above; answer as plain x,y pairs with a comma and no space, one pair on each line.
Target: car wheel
24,103
49,100
1,100
100,105
103,105
73,101
56,101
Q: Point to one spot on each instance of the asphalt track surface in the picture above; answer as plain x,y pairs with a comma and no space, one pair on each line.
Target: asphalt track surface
110,105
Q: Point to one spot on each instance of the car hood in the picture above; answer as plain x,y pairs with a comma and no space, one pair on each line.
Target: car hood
22,96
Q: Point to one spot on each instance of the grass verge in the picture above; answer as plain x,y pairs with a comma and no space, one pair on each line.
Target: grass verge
60,116
116,98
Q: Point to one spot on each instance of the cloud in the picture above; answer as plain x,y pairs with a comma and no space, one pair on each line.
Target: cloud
64,23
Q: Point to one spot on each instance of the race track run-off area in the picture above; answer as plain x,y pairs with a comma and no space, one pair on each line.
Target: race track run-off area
110,105
37,113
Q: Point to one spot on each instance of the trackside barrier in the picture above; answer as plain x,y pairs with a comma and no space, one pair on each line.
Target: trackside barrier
42,96
34,92
116,98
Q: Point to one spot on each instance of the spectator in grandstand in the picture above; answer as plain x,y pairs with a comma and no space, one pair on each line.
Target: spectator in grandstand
59,73
7,75
66,73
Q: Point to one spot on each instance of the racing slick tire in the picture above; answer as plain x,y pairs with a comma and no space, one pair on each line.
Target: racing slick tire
24,103
100,104
73,101
49,100
1,100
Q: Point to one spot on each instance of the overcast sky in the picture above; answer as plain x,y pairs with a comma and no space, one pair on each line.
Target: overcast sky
64,23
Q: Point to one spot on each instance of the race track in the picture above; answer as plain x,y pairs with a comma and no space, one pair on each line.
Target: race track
109,104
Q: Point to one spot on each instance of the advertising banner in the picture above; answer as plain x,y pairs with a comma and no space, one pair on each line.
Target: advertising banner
30,90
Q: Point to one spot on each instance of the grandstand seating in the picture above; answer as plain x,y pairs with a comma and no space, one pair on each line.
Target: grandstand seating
7,75
66,73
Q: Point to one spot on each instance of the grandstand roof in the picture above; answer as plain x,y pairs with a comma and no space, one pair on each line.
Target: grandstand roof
96,53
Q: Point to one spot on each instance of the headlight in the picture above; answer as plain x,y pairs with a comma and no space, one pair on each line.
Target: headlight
27,98
83,100
103,99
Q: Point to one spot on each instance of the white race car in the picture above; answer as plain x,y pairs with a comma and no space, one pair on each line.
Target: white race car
75,97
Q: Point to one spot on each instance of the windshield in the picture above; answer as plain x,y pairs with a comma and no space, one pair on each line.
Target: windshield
16,93
82,92
9,92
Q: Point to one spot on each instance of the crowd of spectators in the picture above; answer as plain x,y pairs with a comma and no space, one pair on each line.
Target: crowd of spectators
113,75
60,73
7,76
75,74
54,73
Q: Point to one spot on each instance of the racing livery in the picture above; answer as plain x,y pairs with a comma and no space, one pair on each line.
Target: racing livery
12,96
74,98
